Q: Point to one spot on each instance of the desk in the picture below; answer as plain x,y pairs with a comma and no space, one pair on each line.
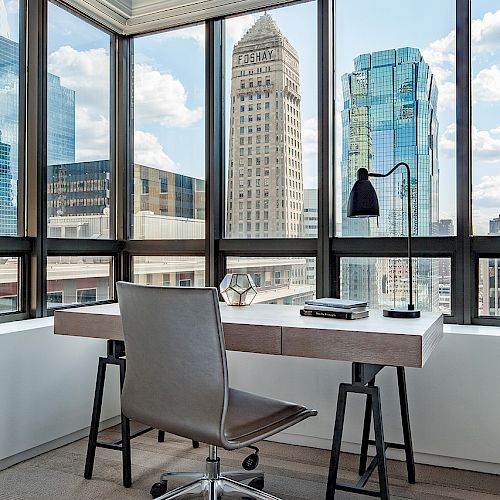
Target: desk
370,344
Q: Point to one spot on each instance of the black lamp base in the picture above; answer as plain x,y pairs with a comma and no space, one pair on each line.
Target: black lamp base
401,313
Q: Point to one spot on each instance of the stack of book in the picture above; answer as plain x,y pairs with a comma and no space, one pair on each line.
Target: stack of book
335,308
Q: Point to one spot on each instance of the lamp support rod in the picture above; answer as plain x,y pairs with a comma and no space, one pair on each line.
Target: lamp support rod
411,306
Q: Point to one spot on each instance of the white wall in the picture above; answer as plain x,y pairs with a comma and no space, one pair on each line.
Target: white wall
454,400
47,387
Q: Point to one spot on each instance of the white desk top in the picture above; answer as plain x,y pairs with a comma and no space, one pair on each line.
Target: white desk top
280,329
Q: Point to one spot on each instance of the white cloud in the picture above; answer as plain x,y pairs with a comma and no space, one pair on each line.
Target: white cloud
86,72
148,151
196,33
310,136
486,85
160,98
485,32
486,193
485,143
12,6
92,135
236,27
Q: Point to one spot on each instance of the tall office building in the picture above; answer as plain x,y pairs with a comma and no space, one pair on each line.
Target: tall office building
60,131
389,115
265,180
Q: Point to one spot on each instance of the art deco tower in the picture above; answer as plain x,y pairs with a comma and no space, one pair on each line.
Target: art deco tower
265,179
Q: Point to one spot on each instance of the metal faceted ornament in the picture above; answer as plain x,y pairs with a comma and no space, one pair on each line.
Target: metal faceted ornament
238,289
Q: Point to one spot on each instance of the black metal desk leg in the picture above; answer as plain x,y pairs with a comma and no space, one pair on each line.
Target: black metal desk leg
366,431
337,441
127,465
161,436
96,415
380,444
405,421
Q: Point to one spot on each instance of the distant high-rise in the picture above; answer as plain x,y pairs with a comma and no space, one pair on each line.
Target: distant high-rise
389,116
265,181
495,225
60,131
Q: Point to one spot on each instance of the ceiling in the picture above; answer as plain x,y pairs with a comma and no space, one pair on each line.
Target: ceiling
130,17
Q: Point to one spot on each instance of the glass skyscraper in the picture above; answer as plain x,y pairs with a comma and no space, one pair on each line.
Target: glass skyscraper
61,130
388,116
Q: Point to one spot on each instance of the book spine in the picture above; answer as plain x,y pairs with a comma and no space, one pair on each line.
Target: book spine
327,314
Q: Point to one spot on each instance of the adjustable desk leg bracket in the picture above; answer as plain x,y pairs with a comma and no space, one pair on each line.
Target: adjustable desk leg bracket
363,382
115,356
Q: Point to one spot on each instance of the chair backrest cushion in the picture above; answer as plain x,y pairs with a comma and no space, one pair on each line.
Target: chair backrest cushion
176,376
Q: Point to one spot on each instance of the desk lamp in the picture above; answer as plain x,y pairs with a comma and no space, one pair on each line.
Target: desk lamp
363,202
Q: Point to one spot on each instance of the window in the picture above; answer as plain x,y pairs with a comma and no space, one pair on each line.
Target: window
383,282
302,108
79,280
486,123
169,135
10,138
9,284
169,271
404,71
78,127
279,280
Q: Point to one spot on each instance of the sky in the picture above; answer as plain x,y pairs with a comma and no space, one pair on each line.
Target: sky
169,83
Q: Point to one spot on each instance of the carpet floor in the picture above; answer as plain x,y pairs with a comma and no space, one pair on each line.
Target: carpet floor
292,473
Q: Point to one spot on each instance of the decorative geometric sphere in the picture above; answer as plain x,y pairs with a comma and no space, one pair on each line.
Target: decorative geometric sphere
238,289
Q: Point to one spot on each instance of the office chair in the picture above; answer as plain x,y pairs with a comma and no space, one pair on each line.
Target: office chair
177,381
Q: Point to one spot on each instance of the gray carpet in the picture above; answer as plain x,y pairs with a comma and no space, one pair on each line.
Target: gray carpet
292,473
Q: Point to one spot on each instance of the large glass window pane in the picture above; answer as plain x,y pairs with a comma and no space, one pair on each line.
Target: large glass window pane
169,135
9,116
383,282
395,101
486,118
169,271
78,128
489,287
279,280
79,280
272,122
9,284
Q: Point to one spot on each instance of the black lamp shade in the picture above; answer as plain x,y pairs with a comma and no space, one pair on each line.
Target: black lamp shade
363,200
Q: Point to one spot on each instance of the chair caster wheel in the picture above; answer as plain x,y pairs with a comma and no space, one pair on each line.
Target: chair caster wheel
251,462
159,489
196,444
257,483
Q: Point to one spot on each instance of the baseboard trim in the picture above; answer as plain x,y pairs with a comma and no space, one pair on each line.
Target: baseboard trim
52,445
421,458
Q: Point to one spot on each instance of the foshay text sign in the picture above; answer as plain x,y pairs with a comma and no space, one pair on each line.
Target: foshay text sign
256,57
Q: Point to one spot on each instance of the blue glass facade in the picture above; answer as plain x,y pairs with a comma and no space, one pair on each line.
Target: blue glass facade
61,129
388,116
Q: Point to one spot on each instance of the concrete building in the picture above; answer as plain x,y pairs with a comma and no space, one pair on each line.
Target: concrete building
265,178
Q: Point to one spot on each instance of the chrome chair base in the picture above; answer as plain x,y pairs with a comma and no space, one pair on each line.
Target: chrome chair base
212,485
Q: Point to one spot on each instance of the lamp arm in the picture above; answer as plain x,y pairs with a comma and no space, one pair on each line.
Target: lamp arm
411,306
